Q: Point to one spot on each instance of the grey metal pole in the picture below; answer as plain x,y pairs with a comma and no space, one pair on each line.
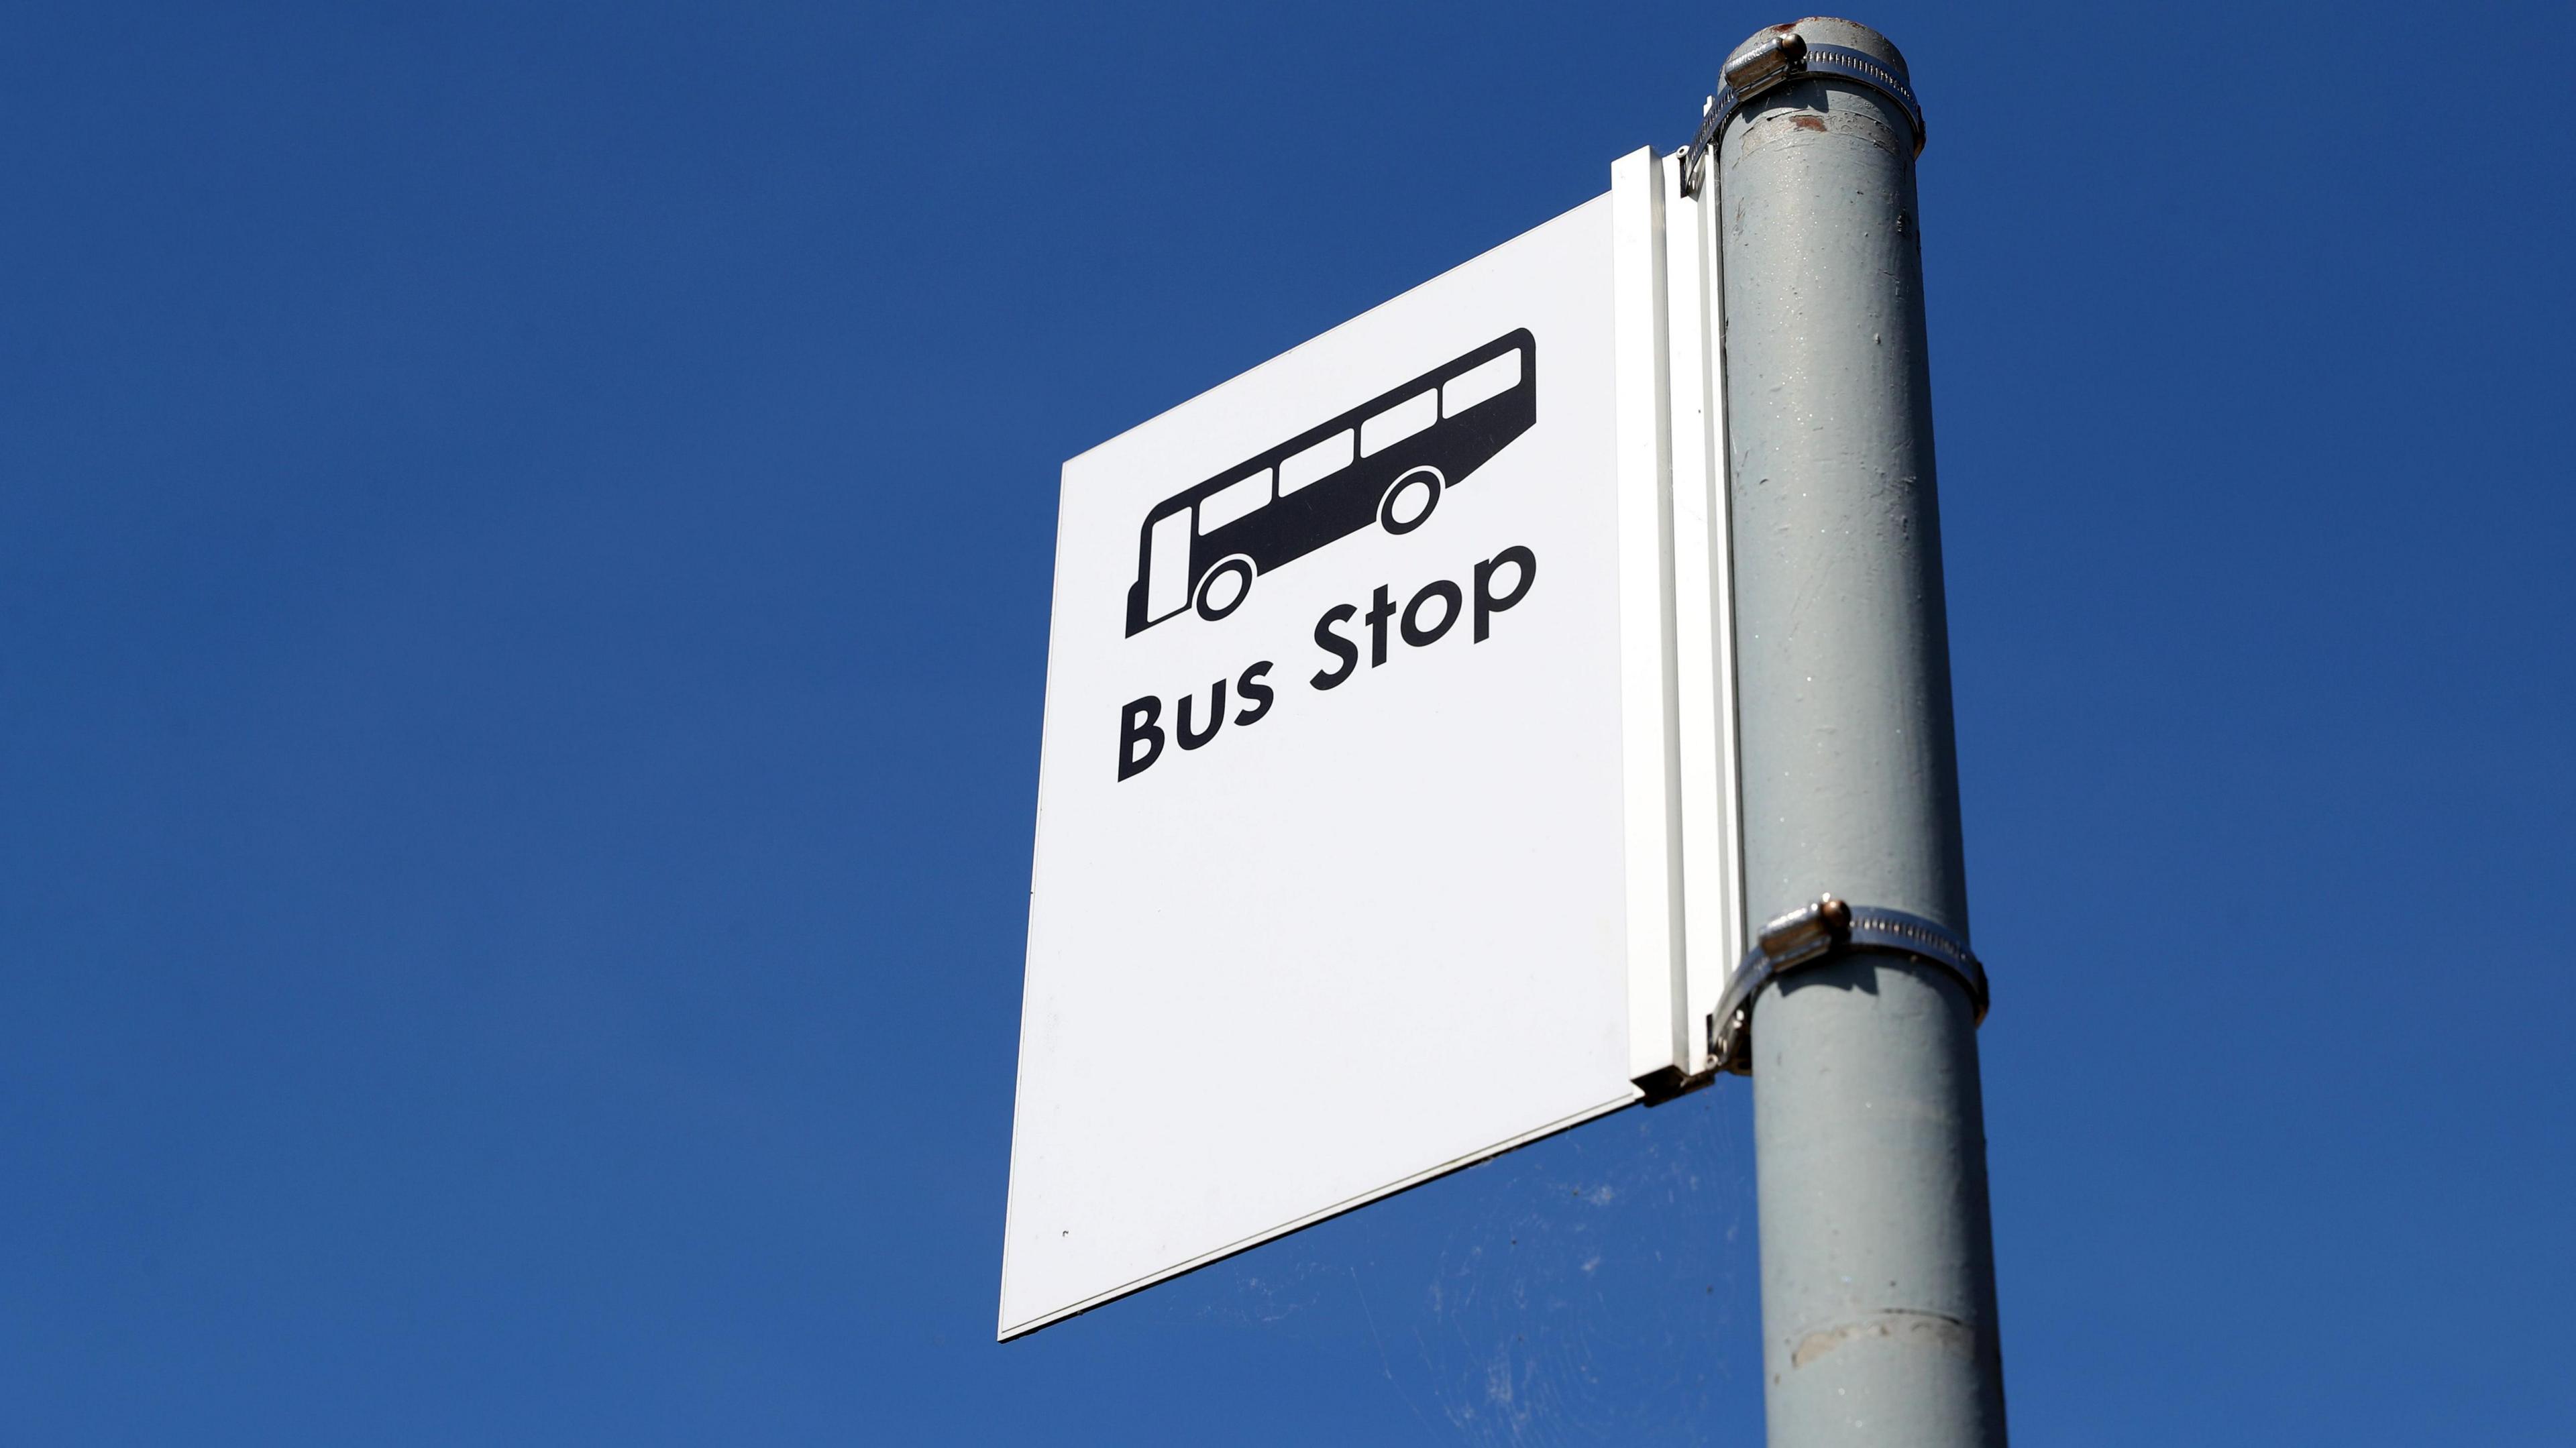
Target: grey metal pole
1878,1296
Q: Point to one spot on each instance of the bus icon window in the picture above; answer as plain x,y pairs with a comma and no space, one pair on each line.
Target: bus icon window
1237,500
1398,423
1481,383
1315,463
1388,461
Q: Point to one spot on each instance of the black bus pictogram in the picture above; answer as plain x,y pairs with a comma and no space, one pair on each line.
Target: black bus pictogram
1386,461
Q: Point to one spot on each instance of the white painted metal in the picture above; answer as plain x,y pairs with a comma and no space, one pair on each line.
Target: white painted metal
1374,915
1703,621
1657,1032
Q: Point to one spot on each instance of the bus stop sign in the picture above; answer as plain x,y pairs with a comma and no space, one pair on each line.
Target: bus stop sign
1358,824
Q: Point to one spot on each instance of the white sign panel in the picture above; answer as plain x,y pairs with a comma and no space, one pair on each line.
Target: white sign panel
1360,812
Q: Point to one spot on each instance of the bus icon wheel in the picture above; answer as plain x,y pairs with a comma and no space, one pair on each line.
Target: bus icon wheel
1224,587
1408,504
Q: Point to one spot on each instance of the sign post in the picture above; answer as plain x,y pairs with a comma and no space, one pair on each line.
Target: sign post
1878,1296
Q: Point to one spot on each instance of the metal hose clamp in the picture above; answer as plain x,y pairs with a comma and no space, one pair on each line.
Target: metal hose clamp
1813,934
1778,61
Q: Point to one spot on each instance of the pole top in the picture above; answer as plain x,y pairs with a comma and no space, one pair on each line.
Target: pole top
1817,47
1829,30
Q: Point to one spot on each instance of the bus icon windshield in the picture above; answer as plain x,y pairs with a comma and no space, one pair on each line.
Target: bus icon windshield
1387,461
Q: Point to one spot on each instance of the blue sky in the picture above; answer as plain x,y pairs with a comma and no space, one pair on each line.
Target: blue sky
524,545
